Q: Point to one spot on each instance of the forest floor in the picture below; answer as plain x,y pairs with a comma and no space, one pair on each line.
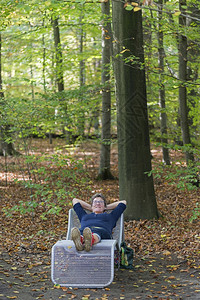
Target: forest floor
167,251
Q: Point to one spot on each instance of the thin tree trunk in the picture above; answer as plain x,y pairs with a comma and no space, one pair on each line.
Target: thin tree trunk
193,71
81,123
5,148
32,84
135,185
59,60
163,115
44,74
31,72
1,81
183,108
59,72
44,61
104,167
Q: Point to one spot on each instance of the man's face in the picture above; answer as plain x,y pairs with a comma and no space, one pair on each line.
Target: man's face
98,205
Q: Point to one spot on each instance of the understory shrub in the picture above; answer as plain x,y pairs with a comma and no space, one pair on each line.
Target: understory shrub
52,180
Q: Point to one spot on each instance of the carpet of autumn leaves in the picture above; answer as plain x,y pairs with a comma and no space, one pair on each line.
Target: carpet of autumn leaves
172,233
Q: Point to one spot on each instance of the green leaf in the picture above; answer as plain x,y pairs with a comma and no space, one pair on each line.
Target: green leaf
129,7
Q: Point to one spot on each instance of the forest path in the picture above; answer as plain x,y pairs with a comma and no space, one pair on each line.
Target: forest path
27,276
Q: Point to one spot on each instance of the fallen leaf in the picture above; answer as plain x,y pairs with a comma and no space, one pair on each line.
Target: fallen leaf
166,252
171,277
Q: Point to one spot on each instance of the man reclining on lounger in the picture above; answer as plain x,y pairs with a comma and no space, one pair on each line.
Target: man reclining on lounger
96,225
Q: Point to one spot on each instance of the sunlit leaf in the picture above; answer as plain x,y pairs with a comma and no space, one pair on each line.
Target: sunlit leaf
137,9
177,13
134,3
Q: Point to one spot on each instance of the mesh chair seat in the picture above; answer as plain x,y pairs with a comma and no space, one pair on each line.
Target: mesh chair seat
83,269
94,269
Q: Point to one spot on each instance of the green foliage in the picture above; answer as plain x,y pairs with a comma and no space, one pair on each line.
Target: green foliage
52,181
170,27
33,107
50,112
28,45
184,177
195,213
28,59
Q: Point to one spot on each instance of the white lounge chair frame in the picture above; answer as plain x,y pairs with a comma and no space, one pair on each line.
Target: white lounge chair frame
81,269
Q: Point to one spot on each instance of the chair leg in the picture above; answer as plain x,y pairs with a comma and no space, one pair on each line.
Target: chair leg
117,252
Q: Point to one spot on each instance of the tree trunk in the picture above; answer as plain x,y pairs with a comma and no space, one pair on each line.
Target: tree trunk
5,147
133,132
163,115
59,71
104,167
192,68
81,121
44,59
1,81
59,61
183,108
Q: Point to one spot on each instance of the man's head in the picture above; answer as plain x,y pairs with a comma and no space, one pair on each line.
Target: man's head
98,203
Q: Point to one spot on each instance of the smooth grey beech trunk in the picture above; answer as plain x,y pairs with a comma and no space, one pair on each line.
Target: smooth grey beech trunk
58,50
59,71
104,166
135,185
82,76
163,115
